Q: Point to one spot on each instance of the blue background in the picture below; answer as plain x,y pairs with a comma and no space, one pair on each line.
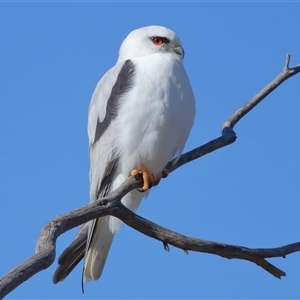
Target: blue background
52,56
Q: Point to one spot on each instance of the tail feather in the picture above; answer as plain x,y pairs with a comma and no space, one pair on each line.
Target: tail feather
93,242
72,255
98,249
95,250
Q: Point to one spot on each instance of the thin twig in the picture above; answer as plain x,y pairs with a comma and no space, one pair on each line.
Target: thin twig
286,73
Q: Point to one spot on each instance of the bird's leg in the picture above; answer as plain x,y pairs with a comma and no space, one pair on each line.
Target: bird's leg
148,179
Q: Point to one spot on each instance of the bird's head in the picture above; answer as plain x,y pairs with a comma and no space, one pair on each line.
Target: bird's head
150,40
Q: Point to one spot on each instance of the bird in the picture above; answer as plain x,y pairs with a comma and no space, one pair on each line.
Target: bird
140,116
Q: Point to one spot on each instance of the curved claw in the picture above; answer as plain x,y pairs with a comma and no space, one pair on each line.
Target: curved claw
148,179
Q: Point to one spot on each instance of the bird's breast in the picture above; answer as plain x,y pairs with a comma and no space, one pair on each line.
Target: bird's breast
155,116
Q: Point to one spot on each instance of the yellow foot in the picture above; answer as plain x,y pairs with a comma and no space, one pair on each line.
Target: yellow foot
148,179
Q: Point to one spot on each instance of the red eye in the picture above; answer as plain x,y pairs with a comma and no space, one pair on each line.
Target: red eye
158,40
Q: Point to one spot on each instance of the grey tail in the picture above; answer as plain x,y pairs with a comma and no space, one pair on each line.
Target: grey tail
72,255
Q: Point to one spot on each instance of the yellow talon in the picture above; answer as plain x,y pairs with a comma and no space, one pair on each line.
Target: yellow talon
148,179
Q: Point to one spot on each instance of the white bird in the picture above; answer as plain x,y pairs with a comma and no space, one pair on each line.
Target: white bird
140,117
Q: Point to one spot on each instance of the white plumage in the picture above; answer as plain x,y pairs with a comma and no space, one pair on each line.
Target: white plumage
140,114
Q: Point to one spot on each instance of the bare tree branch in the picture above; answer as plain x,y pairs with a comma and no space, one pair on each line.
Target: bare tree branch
111,205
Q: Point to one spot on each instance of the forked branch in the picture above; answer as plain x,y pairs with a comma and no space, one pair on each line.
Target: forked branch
111,205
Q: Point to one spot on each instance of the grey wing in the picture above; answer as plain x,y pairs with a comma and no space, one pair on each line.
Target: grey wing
103,111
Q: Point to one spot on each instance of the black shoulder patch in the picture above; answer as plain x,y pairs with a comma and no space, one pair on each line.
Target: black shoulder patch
123,84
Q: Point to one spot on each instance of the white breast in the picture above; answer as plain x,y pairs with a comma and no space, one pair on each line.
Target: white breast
156,115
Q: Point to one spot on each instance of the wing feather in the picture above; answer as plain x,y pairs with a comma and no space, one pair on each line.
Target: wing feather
103,157
103,161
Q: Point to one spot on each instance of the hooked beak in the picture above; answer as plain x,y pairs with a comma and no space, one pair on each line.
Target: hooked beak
179,50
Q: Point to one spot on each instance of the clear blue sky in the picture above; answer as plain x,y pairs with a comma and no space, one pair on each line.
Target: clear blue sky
53,54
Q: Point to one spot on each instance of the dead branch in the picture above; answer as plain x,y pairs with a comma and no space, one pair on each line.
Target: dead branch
111,205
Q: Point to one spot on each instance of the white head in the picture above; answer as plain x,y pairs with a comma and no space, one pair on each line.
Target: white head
150,40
